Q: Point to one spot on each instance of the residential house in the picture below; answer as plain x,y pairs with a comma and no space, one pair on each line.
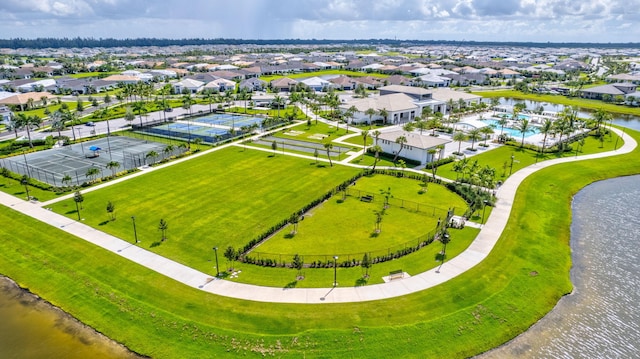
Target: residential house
284,84
431,80
22,100
616,89
634,79
5,114
343,82
421,97
252,84
317,84
416,147
220,85
188,85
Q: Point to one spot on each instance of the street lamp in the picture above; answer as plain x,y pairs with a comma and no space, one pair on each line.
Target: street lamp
484,207
511,167
215,249
135,232
335,271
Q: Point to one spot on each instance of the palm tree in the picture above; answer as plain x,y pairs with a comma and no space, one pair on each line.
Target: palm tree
92,173
459,137
432,124
376,150
187,102
163,226
78,198
14,124
113,166
474,135
278,101
401,140
383,113
370,112
365,134
349,115
546,129
328,146
600,116
168,150
486,131
523,126
502,121
153,155
562,127
128,114
376,134
66,179
28,122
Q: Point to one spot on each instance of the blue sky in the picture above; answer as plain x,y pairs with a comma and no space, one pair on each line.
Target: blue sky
478,20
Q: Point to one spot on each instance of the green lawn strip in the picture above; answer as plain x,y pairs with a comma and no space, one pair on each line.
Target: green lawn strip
369,159
357,140
500,158
220,199
283,113
322,153
324,73
312,133
417,262
563,100
480,309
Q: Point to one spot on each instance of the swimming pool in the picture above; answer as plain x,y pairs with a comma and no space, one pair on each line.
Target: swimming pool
512,132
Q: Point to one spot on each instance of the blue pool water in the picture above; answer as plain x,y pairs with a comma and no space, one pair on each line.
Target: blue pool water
510,131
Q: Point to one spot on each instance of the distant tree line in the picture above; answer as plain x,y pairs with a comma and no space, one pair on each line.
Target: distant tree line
49,42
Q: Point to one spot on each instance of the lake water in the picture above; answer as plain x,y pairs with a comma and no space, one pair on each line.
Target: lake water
601,318
32,328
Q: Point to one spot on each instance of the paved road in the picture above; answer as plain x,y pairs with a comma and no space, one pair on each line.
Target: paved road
477,251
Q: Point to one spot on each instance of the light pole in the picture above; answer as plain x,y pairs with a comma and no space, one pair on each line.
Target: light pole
135,232
335,271
215,249
511,166
484,207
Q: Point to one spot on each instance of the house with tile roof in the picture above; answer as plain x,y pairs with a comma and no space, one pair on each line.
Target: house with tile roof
615,89
416,148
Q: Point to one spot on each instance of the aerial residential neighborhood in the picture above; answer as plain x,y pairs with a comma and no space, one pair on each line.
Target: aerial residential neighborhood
319,179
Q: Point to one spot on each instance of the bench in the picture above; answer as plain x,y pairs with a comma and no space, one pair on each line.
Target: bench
396,274
367,198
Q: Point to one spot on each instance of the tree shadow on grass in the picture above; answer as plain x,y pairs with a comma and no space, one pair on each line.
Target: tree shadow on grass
321,165
289,235
291,285
155,244
104,222
71,211
361,282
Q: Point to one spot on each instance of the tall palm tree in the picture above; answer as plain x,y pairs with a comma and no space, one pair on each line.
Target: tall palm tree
153,155
328,146
401,140
502,121
383,113
365,134
113,166
139,107
474,135
600,116
92,173
486,131
370,112
376,134
459,137
523,126
376,150
546,129
278,101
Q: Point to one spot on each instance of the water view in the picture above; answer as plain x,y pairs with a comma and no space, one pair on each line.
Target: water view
31,328
601,318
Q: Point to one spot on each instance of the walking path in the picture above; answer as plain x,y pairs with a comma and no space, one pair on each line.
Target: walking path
477,251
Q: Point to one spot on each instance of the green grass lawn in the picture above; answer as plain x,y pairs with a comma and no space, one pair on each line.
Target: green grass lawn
563,100
500,158
222,199
520,281
304,132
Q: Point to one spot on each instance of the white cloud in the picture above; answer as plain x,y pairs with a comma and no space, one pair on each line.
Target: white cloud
502,20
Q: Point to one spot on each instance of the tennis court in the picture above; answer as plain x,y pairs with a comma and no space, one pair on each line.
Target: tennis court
51,166
230,120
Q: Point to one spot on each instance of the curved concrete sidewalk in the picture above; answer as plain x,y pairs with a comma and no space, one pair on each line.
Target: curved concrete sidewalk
477,251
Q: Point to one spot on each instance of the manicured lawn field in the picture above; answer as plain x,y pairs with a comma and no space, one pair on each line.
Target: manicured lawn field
519,282
222,199
500,158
